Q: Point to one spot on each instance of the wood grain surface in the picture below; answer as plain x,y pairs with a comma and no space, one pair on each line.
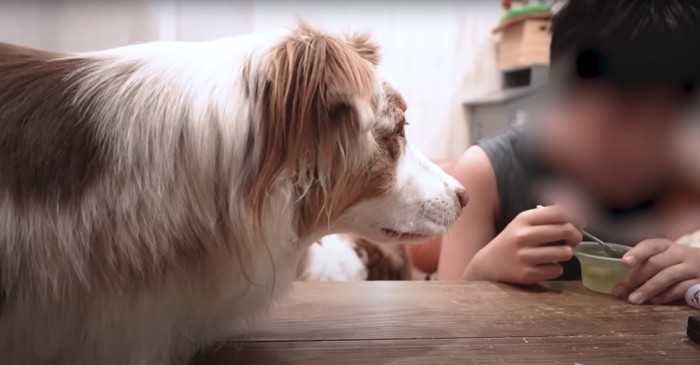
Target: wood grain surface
461,323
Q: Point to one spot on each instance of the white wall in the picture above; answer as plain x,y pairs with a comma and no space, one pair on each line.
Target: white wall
435,52
77,25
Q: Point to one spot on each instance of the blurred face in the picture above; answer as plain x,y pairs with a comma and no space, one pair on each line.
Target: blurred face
617,144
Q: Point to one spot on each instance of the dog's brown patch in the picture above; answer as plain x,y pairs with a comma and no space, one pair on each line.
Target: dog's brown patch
380,172
369,180
385,261
307,113
48,144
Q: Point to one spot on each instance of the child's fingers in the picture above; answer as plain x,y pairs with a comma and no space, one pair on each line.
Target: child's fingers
644,251
553,214
546,254
541,235
660,282
539,273
646,270
675,292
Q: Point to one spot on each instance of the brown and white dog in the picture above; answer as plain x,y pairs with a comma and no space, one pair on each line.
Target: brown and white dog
156,198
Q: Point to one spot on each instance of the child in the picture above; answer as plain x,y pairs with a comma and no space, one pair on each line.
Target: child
623,76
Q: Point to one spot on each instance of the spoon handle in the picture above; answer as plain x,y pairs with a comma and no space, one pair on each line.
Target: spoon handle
594,238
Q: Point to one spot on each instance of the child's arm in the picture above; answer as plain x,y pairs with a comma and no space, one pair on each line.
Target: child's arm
475,227
522,253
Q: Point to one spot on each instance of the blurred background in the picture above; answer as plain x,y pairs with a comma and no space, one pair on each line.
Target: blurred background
440,54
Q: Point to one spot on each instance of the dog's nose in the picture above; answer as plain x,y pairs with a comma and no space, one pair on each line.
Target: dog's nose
462,197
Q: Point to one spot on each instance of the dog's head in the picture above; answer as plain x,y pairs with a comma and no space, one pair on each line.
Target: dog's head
334,131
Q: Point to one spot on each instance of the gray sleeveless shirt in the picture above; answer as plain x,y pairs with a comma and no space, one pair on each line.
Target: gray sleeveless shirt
518,174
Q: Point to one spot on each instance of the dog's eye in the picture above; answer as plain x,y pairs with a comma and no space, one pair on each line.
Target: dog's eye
399,129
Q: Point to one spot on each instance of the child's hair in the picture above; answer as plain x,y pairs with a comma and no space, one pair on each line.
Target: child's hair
629,42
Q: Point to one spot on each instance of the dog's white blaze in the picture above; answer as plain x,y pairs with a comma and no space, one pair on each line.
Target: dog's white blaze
423,201
424,187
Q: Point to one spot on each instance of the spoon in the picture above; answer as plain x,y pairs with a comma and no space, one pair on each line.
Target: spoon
613,251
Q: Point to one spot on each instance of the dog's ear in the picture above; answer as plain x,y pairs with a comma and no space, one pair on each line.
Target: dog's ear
319,84
317,100
364,46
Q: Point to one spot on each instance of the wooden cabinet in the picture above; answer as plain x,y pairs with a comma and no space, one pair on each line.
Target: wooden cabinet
524,41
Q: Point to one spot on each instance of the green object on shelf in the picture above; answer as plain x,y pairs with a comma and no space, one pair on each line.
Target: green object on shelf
525,10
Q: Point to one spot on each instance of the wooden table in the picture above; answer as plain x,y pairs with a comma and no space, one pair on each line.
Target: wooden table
439,323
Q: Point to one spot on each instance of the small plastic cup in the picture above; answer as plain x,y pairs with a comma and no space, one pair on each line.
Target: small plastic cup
599,272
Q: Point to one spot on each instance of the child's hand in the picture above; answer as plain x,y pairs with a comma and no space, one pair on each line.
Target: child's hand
662,271
523,253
